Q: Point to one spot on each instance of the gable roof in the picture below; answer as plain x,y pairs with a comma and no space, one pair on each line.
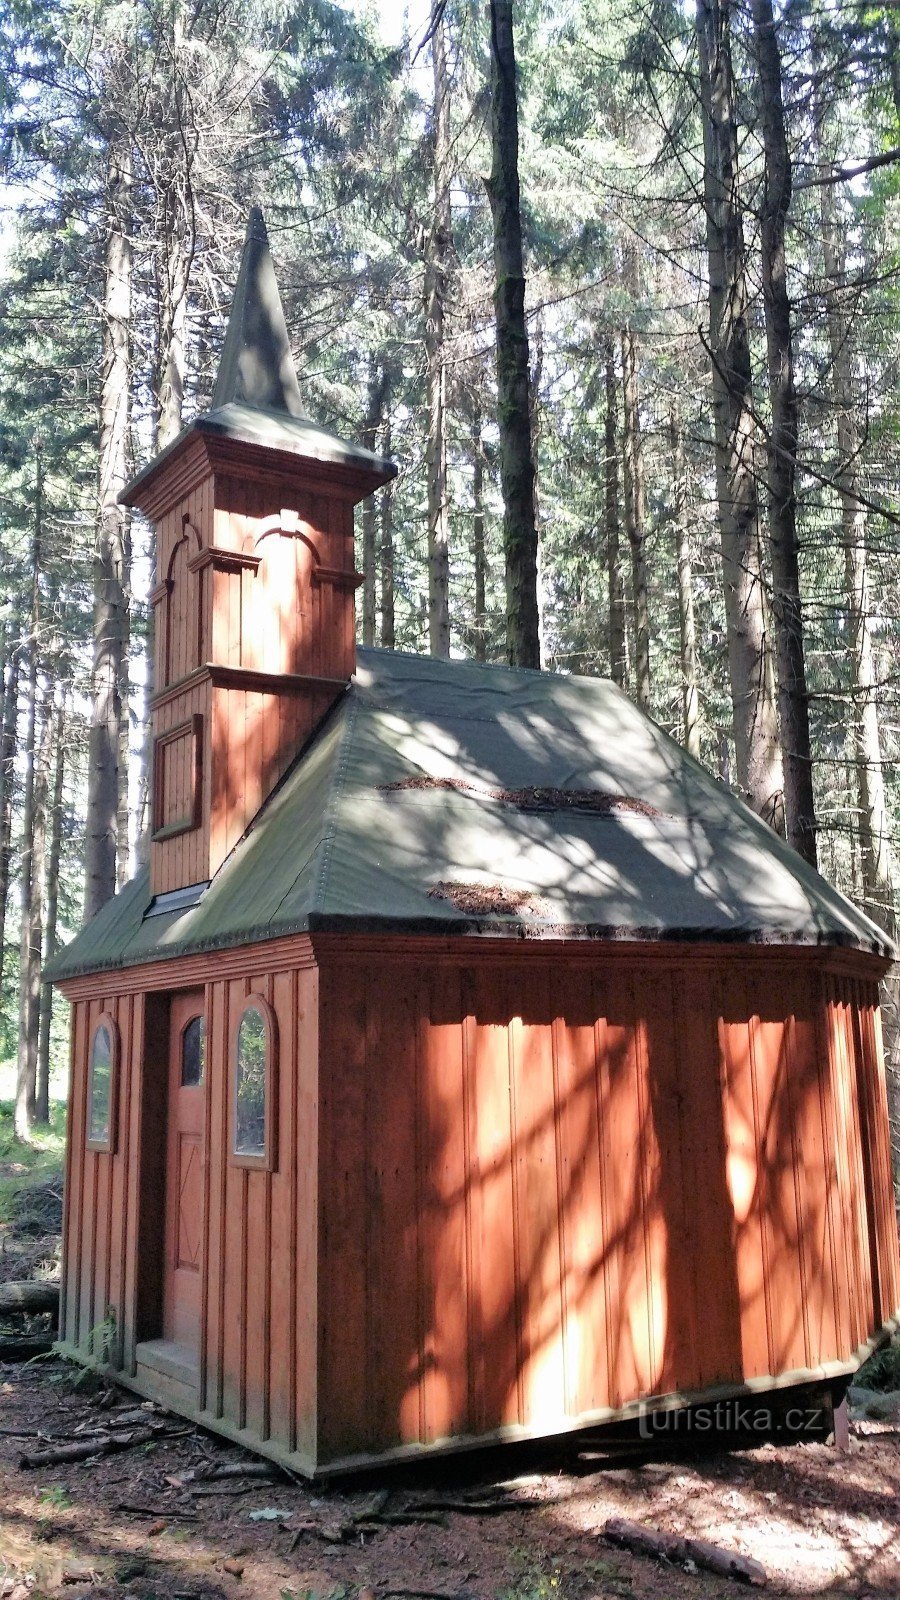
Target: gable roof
451,798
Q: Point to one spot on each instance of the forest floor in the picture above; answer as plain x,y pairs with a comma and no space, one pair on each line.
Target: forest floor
159,1521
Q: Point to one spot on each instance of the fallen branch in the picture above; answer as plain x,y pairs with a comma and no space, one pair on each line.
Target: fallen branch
229,1469
671,1547
31,1297
154,1511
102,1444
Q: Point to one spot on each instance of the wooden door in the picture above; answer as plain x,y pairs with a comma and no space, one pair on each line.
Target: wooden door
185,1161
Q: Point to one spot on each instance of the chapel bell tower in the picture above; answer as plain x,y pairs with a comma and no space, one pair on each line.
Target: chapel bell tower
254,615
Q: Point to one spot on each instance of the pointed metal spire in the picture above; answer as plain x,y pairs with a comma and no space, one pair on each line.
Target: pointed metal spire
256,367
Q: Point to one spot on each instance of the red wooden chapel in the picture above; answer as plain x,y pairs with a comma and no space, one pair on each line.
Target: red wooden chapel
468,1064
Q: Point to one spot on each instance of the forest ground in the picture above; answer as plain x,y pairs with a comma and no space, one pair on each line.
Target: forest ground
152,1522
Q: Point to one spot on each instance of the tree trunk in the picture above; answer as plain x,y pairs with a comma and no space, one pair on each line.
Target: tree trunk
387,552
54,821
8,751
31,849
513,410
690,699
618,657
636,516
110,577
436,267
173,266
876,864
757,750
478,554
787,610
370,431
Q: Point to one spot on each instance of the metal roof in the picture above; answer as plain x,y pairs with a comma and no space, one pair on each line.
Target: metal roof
451,798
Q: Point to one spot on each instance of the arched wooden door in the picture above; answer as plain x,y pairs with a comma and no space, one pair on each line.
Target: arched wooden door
185,1160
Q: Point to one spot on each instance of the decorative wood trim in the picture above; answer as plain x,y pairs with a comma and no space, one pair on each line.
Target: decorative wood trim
160,592
222,560
172,974
105,1146
268,1160
266,463
191,728
178,469
338,577
221,676
224,677
302,950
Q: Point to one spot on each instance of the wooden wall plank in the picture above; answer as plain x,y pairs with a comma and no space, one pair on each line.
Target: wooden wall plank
343,1423
305,1218
744,1186
443,1188
540,1247
498,1355
584,1226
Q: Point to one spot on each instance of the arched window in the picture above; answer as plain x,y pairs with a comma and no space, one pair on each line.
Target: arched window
101,1093
254,1080
193,1053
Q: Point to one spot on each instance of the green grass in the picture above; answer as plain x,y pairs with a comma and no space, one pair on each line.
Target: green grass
22,1164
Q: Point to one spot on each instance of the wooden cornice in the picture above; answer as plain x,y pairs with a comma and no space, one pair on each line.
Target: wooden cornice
337,577
287,954
221,676
224,560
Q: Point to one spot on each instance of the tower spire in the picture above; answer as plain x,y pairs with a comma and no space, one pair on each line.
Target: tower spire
256,366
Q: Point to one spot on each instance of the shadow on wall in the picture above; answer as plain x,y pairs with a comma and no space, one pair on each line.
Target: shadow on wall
581,1184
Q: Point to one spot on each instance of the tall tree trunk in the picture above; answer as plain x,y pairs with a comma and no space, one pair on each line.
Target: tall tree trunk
520,541
877,867
787,610
387,552
618,657
8,751
173,265
31,849
370,431
757,750
436,268
54,827
636,516
110,576
690,699
478,552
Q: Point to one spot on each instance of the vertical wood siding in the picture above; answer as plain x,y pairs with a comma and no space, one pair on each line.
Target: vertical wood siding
505,1193
547,1190
258,1326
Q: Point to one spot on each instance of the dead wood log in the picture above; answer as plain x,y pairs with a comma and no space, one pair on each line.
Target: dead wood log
102,1444
671,1547
229,1469
31,1297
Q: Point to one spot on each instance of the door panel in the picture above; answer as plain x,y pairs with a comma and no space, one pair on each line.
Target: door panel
185,1161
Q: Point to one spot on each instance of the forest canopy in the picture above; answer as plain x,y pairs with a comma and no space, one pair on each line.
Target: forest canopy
615,285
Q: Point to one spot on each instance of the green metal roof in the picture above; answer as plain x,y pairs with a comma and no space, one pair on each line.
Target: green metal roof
451,798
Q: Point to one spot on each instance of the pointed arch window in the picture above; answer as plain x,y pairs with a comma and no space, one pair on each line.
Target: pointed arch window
103,1071
255,1086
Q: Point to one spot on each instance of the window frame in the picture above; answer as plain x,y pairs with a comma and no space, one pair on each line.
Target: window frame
199,1016
105,1146
265,1160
